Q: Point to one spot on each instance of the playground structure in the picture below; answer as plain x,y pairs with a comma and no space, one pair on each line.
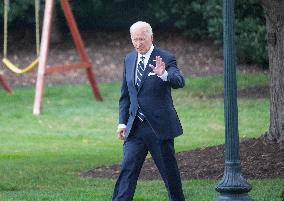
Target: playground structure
5,60
41,61
5,85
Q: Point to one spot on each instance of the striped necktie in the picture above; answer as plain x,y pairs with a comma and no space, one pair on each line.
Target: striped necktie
139,75
140,71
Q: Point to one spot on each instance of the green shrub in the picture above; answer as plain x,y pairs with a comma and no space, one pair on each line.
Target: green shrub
21,13
250,29
204,19
184,15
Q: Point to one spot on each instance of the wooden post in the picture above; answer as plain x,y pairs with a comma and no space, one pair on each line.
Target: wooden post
80,46
5,84
45,38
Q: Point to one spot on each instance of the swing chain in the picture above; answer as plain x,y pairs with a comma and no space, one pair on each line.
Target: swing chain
37,8
6,11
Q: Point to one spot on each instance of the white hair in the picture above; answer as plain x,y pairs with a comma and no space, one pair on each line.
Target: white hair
140,24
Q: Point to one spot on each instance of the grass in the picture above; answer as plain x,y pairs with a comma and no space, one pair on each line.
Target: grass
41,156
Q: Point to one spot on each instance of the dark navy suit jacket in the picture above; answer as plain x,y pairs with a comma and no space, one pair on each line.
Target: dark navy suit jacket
153,96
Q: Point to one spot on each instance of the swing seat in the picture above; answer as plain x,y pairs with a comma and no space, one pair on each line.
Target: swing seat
15,69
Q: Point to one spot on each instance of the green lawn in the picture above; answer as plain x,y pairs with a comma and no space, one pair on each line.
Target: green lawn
41,156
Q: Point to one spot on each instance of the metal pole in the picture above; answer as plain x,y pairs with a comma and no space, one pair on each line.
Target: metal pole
232,186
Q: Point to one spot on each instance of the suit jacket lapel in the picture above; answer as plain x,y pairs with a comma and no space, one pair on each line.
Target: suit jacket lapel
132,65
148,68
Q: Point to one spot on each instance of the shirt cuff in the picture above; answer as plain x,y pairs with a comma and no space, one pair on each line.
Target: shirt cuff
121,126
164,77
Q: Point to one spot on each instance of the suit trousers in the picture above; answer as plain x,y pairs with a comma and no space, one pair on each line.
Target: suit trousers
135,149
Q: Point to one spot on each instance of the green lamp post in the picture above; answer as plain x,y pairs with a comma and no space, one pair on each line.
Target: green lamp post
232,186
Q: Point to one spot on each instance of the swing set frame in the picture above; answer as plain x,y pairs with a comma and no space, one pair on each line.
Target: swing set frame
44,69
5,84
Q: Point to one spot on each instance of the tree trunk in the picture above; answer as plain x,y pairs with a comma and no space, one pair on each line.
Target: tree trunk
274,14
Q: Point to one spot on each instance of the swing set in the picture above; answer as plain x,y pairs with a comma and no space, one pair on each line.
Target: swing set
42,51
5,60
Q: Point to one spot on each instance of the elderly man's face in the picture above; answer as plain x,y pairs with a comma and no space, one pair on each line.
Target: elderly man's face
141,40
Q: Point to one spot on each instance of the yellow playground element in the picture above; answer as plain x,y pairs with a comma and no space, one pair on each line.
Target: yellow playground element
5,60
15,69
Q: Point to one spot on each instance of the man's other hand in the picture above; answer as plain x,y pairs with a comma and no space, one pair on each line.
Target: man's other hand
120,133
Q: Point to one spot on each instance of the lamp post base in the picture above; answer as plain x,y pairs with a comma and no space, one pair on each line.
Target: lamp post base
233,197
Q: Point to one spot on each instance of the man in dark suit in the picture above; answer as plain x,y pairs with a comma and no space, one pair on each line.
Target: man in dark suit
147,118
